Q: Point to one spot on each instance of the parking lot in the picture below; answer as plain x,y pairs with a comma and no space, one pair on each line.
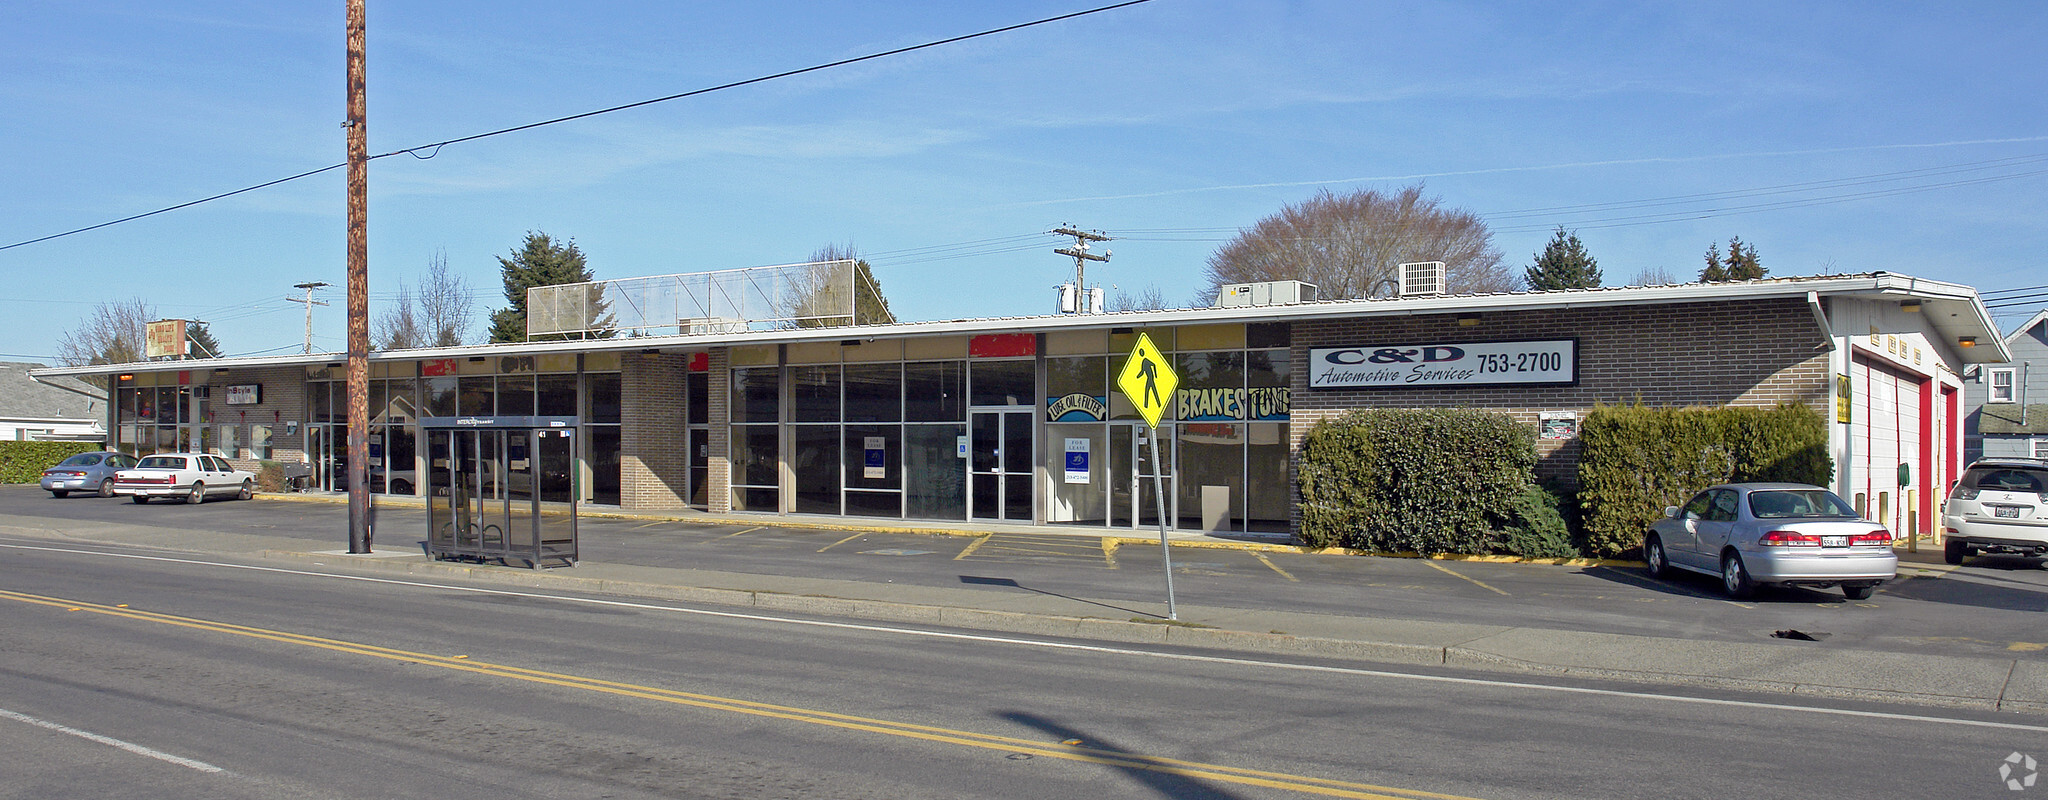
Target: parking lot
1990,605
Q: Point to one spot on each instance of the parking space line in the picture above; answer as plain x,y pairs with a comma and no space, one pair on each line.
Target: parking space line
736,533
973,546
1276,567
841,541
1482,584
1109,546
652,524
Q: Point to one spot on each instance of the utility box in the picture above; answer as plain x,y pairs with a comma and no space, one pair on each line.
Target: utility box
1266,293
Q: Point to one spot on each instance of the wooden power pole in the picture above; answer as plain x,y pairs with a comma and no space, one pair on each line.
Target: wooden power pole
359,530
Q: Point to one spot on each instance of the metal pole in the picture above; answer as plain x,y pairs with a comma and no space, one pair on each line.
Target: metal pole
358,291
1159,502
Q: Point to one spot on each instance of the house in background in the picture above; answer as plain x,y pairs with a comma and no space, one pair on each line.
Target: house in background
2008,402
49,409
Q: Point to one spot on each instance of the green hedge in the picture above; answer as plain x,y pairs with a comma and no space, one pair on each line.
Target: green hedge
1634,461
24,462
1421,480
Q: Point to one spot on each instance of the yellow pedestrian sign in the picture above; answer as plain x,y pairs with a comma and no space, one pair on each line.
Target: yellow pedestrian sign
1148,380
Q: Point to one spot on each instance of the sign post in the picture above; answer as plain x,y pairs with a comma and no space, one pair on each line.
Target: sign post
1148,380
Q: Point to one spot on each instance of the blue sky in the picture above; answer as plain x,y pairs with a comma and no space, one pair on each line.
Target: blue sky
1170,124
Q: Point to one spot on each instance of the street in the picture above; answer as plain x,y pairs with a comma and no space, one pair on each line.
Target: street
296,684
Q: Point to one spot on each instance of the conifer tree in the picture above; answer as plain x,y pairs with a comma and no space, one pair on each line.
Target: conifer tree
542,261
1564,264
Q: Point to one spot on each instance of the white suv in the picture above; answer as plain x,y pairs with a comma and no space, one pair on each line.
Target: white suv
2000,506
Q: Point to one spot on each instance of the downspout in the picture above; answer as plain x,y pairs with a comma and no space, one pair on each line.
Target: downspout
1820,317
1845,446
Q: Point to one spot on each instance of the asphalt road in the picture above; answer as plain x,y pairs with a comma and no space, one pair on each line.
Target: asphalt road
125,677
1991,606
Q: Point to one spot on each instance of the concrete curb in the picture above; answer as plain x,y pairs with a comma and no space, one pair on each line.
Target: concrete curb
2026,695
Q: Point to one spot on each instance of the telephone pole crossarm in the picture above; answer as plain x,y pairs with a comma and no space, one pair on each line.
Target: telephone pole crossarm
1079,252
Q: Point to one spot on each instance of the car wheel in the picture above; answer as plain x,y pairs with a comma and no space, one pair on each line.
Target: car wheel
248,490
401,487
1859,591
106,487
197,495
1735,578
141,499
1653,556
1955,551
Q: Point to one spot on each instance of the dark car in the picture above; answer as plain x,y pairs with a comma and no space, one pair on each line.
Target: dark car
86,472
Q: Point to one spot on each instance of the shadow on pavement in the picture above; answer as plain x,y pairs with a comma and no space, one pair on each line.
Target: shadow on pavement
1163,778
976,580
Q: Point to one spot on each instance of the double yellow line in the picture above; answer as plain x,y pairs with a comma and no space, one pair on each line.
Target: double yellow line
463,663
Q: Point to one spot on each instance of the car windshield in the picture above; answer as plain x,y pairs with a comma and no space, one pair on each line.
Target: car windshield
162,462
2006,479
1784,503
81,460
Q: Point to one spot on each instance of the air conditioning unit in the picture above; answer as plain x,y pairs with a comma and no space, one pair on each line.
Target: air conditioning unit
1422,278
1266,293
698,326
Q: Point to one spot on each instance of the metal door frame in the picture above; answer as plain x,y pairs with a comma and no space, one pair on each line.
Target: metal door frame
1002,475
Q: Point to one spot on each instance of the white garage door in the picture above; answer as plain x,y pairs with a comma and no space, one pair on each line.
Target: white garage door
1887,424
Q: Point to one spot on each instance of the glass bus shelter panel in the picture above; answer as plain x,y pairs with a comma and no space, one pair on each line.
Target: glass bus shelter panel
441,523
554,528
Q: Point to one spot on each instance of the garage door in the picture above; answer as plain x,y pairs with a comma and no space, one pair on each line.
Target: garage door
1888,425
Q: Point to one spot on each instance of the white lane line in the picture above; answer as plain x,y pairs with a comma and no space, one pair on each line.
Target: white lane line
113,742
1091,648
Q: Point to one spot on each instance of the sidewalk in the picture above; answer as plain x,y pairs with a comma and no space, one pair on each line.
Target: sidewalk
1780,667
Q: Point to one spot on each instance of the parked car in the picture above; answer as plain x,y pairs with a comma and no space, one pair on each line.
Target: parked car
192,476
1999,506
1788,534
86,472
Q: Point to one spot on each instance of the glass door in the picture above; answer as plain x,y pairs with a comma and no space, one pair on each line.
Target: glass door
1133,502
999,465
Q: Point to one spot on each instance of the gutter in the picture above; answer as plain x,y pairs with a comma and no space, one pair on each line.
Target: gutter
32,376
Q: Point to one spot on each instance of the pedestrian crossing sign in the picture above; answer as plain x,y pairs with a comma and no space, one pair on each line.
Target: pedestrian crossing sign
1148,380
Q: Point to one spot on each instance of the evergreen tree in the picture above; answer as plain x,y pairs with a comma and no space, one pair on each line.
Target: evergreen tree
1741,263
542,261
1564,264
1714,271
203,343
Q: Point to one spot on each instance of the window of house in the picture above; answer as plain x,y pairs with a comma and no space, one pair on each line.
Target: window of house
2041,447
2001,385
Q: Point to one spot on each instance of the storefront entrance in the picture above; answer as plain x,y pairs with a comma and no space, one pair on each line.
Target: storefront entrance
502,489
1131,475
999,465
327,449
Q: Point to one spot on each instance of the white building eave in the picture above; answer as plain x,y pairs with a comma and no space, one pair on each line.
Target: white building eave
1953,309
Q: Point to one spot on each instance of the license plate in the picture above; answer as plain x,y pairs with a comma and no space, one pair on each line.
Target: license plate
1834,541
2008,512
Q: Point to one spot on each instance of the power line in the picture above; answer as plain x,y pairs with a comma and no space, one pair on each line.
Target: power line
434,149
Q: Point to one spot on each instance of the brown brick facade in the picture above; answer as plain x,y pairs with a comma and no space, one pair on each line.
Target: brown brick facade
653,439
1724,353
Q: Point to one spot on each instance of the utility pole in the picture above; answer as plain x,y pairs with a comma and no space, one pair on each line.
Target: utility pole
359,530
1081,258
308,286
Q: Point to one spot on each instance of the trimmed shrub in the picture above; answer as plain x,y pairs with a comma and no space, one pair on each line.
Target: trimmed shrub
1634,461
1539,529
24,462
1422,480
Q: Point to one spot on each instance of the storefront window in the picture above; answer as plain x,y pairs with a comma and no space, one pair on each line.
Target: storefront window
1003,383
874,457
814,465
874,392
935,477
259,442
1211,476
934,391
1077,458
555,396
698,392
755,394
814,394
440,399
515,395
477,396
604,463
1268,492
1076,389
604,396
230,442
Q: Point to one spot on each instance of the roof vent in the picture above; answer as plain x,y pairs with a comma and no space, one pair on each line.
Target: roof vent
1422,278
1268,293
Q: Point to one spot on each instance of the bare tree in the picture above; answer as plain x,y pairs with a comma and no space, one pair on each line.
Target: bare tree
112,333
818,294
1350,245
436,314
1653,276
1151,299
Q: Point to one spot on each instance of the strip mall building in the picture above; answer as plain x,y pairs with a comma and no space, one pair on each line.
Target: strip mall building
1019,420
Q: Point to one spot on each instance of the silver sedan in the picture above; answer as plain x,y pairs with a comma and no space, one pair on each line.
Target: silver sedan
1789,534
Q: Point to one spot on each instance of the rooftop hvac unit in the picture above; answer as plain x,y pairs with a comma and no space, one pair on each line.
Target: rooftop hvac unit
698,326
1422,278
1268,293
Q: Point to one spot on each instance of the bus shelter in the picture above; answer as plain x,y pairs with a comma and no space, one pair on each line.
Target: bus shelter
502,489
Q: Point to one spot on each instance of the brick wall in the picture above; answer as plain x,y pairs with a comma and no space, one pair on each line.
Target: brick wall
1733,353
653,441
284,400
719,484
